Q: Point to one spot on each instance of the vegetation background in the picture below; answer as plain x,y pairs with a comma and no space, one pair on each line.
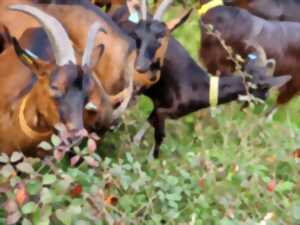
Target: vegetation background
224,167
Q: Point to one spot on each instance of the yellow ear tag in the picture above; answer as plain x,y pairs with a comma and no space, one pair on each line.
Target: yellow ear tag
214,91
27,59
208,6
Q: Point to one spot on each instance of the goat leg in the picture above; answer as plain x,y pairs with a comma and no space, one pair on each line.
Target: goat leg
157,120
140,134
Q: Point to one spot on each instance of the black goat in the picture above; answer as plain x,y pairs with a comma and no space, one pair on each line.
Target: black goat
184,86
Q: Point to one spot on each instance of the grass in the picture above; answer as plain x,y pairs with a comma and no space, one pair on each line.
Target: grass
227,167
224,164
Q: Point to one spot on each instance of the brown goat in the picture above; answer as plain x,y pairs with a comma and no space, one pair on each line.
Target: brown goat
38,94
114,70
280,40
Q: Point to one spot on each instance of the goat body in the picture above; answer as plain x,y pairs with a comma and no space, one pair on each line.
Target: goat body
287,10
183,87
280,40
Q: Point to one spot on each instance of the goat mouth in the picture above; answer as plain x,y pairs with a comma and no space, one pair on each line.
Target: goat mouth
70,138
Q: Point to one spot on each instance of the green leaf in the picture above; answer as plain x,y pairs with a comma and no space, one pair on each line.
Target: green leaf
63,216
296,211
16,156
129,157
25,168
82,222
46,196
44,222
45,146
29,208
55,140
285,186
62,186
48,179
34,187
26,222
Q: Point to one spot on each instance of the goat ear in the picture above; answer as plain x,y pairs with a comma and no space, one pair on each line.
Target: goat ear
277,82
271,66
133,6
97,54
30,60
173,24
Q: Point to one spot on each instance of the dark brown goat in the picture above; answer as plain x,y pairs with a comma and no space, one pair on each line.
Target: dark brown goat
38,94
150,33
238,27
287,10
184,86
113,74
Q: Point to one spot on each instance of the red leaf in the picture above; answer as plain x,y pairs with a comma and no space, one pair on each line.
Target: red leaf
201,183
13,218
271,185
91,161
10,206
74,160
21,194
76,191
296,153
58,155
94,136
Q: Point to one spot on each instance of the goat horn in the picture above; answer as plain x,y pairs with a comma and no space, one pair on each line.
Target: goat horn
161,9
92,34
58,37
143,4
120,110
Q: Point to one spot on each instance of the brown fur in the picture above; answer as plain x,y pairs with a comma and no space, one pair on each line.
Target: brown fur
279,39
115,70
42,111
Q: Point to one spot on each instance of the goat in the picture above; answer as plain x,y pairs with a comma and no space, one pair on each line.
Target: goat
287,10
150,33
184,86
113,74
279,39
37,94
153,49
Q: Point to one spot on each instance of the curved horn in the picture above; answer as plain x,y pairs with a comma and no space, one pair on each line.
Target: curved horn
87,55
161,9
143,4
123,106
58,37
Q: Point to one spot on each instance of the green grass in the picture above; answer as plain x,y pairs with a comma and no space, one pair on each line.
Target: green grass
236,153
214,168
